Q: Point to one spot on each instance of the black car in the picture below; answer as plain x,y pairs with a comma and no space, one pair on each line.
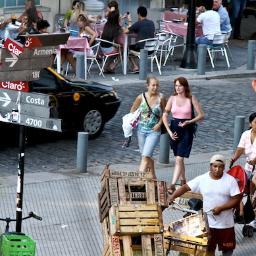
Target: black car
82,105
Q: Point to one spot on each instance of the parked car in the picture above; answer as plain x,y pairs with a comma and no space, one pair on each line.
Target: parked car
82,105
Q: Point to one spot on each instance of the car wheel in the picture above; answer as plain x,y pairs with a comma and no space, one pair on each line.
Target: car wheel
250,231
245,231
93,123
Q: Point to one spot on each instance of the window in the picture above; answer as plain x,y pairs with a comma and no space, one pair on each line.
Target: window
15,3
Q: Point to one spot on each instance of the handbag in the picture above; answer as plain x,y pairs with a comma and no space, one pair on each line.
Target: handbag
130,121
162,128
194,125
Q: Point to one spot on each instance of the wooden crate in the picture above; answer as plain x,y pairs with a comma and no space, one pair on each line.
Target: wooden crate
136,245
188,235
182,201
188,247
127,191
108,173
135,219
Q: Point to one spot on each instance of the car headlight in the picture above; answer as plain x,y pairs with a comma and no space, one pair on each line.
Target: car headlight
76,96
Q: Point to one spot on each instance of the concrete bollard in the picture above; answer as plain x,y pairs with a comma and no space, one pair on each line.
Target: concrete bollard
238,129
251,55
164,148
79,66
82,150
201,59
143,64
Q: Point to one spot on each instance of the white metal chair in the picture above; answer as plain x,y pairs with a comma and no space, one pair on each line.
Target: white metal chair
93,55
151,45
115,53
227,36
163,44
168,45
218,46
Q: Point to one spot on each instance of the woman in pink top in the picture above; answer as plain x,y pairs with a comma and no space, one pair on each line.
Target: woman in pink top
181,128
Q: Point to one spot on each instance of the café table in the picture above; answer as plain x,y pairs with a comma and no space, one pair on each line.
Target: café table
174,15
128,39
76,44
180,28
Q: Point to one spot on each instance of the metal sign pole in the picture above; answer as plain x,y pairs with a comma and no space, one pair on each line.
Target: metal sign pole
20,181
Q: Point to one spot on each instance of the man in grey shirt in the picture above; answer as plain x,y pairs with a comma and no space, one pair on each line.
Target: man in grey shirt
144,29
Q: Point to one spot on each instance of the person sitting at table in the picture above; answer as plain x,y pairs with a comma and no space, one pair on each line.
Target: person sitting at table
144,29
111,32
113,6
210,21
85,30
32,13
225,25
3,24
42,26
71,16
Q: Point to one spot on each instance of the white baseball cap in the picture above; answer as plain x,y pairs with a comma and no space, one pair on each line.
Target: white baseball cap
218,157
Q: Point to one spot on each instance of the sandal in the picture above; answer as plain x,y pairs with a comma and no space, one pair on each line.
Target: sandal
134,71
183,182
171,189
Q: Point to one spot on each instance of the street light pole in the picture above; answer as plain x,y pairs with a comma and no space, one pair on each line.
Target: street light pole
189,59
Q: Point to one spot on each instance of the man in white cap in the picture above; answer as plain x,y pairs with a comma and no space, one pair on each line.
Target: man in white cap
221,194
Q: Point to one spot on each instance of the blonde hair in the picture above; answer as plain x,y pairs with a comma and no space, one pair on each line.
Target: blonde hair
152,78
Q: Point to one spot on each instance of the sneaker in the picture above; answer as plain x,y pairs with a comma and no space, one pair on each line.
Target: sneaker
127,142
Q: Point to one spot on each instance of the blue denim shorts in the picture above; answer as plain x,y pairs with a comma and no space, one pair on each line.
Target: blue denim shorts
148,141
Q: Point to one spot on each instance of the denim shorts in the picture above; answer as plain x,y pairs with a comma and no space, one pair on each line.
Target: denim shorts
148,141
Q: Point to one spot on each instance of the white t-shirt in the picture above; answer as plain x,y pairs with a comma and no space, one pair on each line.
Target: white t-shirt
210,23
216,193
249,148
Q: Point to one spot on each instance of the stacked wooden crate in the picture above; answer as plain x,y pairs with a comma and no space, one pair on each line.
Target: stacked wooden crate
130,205
188,235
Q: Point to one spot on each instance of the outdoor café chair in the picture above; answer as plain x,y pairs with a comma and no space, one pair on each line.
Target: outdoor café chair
218,46
116,53
151,45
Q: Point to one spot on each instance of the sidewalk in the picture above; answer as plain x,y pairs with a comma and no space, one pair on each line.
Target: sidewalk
67,201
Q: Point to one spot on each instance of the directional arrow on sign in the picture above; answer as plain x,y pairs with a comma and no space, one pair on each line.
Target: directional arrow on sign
36,99
13,59
5,99
18,63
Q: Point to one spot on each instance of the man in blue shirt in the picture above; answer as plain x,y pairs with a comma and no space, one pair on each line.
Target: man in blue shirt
225,26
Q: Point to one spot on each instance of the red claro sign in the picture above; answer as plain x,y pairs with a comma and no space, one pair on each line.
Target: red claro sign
15,86
32,42
13,46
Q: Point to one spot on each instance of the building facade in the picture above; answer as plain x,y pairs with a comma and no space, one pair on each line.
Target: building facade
52,8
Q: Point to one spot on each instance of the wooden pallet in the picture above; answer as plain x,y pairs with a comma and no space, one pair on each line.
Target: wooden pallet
136,245
135,219
126,191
